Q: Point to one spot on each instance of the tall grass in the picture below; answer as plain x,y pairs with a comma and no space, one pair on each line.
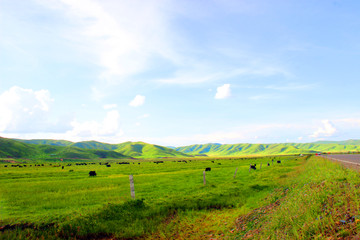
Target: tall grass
76,205
321,202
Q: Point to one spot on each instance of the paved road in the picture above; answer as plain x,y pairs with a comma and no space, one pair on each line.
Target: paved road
349,160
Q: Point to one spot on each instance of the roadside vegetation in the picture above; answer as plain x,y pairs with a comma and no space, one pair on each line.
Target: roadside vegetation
320,201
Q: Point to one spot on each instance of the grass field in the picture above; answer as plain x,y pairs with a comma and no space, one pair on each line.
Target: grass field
69,197
172,203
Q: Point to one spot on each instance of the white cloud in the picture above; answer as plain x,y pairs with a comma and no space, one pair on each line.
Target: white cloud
108,130
25,113
93,129
137,101
109,106
24,110
223,92
326,130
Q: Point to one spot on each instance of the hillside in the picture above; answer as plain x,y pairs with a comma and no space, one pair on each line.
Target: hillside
16,149
94,145
10,148
146,150
92,149
343,146
215,149
132,149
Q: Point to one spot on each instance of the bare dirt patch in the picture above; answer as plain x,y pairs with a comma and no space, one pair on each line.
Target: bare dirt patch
8,161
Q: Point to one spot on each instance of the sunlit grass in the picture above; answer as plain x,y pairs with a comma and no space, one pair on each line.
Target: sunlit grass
321,202
80,205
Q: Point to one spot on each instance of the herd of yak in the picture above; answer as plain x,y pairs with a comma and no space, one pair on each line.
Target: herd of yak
93,173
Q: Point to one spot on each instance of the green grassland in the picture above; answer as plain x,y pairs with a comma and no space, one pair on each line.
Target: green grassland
67,202
321,201
301,198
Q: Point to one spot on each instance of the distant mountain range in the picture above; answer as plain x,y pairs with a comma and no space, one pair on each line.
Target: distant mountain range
19,149
45,149
87,149
215,149
211,149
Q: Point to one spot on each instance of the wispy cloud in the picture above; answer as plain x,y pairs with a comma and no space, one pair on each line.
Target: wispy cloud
291,86
349,121
146,115
120,35
264,97
123,37
251,133
205,73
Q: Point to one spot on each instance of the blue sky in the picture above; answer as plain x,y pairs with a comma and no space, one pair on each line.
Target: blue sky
180,72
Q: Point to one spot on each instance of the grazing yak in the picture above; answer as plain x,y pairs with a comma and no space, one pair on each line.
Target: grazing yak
278,161
253,166
123,163
208,169
92,174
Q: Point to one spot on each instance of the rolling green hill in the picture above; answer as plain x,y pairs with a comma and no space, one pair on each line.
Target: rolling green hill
94,149
146,150
16,149
132,149
94,145
215,149
326,147
10,148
